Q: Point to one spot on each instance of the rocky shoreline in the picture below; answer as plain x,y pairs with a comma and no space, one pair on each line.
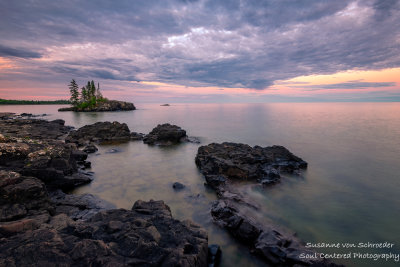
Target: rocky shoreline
41,224
225,164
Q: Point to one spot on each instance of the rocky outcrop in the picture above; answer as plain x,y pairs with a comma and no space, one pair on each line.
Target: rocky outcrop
109,105
165,134
42,226
219,162
31,148
100,132
268,241
225,164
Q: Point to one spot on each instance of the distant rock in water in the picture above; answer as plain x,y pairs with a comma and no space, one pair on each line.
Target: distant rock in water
165,134
100,132
110,105
165,105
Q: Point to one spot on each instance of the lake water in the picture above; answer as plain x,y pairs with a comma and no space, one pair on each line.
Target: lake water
348,194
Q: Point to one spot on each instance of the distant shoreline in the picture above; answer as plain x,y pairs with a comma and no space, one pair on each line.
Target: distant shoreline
33,102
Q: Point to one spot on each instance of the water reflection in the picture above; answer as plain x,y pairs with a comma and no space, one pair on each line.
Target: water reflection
348,194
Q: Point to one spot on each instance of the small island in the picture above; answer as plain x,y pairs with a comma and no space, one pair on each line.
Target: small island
90,99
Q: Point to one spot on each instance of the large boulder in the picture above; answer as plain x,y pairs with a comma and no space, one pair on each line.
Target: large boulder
100,132
165,134
235,161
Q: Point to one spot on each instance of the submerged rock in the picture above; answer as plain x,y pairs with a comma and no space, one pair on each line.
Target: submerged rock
178,186
100,132
109,105
90,149
165,134
269,242
214,255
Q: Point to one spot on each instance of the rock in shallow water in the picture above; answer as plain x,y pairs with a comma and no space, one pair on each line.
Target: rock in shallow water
243,162
178,186
165,134
223,165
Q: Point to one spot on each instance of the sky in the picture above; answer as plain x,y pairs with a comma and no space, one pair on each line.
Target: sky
202,50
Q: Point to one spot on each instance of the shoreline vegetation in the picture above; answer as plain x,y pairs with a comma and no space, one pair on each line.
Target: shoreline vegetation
89,98
33,102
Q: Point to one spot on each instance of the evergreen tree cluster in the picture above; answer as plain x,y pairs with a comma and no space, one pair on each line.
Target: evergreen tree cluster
89,96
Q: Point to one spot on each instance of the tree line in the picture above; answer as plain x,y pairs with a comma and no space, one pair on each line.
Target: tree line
88,96
32,102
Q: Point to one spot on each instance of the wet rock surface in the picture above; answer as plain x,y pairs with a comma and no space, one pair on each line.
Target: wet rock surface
165,134
233,161
110,105
223,165
100,132
40,225
35,148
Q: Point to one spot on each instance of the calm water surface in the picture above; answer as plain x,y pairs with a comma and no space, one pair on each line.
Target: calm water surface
348,194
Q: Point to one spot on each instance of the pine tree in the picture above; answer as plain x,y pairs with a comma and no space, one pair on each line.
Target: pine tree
92,89
84,95
99,96
73,89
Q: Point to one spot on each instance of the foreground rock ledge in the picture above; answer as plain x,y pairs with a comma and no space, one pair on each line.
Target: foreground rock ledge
147,235
100,132
110,105
42,226
224,164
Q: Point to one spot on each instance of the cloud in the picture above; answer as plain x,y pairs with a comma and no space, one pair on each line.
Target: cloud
6,51
222,43
352,85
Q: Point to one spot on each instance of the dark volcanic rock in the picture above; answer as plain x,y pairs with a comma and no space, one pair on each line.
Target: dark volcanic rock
110,105
222,165
50,228
178,186
29,147
78,207
165,134
100,132
214,255
21,196
145,236
33,129
276,247
242,162
90,149
137,136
